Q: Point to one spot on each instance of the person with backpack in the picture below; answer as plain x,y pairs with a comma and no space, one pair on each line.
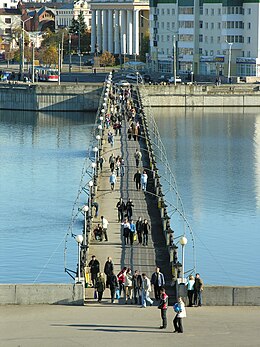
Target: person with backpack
180,310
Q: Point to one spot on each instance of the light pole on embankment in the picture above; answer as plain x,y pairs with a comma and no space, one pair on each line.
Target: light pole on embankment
79,239
183,242
85,209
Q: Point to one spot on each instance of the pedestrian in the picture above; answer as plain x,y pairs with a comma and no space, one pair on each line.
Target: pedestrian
108,270
146,289
118,164
113,286
158,281
128,286
111,161
104,224
122,167
132,232
101,161
198,288
138,157
146,227
100,286
144,179
180,310
112,180
137,287
163,305
129,133
94,269
129,208
126,231
137,179
121,280
139,230
96,206
190,289
98,233
120,210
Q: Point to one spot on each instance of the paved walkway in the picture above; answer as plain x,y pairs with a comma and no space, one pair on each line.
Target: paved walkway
137,257
124,325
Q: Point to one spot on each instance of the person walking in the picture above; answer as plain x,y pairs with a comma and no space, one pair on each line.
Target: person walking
111,162
129,208
146,289
137,287
132,232
112,180
146,228
139,230
190,289
137,179
138,157
113,286
126,231
94,269
108,270
101,161
104,224
158,281
144,180
121,280
163,305
198,288
100,286
120,210
180,310
122,167
128,286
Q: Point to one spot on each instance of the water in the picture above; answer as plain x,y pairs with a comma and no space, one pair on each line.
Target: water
214,155
41,161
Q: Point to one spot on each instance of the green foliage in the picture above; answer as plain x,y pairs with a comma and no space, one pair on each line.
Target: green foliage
145,47
78,25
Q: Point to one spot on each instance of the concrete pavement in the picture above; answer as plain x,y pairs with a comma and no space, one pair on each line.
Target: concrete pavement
124,325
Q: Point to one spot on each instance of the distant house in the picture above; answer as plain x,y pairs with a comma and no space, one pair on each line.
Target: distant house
10,22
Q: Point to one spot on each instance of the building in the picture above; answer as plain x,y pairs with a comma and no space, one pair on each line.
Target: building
8,3
118,26
211,37
66,12
10,22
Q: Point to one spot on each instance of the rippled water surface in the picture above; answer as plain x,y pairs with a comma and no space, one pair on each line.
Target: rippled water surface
41,161
215,155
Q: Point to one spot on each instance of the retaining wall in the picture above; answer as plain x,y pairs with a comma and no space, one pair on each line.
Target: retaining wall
28,294
82,97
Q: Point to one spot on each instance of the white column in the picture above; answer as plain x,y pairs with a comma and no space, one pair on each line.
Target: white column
104,28
123,31
99,30
110,31
116,33
136,36
130,32
93,31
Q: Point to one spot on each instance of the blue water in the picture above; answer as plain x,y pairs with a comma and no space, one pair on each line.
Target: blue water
41,161
215,155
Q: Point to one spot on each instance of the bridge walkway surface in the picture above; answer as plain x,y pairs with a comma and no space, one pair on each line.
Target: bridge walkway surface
137,257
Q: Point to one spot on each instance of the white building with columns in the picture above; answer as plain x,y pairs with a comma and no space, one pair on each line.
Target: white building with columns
118,27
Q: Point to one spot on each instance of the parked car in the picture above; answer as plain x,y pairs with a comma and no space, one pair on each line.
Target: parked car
171,79
123,83
89,63
135,77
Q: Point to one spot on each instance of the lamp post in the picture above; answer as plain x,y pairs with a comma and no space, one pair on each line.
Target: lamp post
183,242
85,210
229,59
69,52
23,22
174,59
79,239
90,184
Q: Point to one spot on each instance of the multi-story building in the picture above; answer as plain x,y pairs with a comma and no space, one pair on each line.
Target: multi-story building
211,37
10,22
118,26
8,3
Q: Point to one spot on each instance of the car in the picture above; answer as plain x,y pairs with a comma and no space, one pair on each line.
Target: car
147,78
171,79
135,77
89,63
123,83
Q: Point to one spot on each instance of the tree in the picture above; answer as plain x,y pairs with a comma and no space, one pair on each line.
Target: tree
78,24
49,55
145,47
107,59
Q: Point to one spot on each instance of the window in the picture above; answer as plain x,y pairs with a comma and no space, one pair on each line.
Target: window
168,11
162,11
162,25
8,20
211,39
206,25
200,38
200,51
248,25
201,24
206,39
248,39
212,25
173,11
168,38
211,52
249,11
206,53
201,10
219,25
173,25
212,11
248,54
206,11
243,53
168,25
218,39
7,30
219,11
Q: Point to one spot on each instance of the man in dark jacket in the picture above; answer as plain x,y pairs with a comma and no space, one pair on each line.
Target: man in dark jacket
137,286
198,288
137,179
108,270
158,282
94,269
113,286
120,210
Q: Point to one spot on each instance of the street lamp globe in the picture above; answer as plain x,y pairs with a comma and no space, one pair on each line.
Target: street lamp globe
99,127
95,149
85,208
90,183
183,241
93,165
101,118
79,239
105,99
104,104
103,111
98,137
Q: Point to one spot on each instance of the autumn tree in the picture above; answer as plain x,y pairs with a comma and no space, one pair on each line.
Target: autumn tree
49,55
107,59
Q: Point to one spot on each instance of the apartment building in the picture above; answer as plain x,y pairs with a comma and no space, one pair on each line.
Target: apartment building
210,37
